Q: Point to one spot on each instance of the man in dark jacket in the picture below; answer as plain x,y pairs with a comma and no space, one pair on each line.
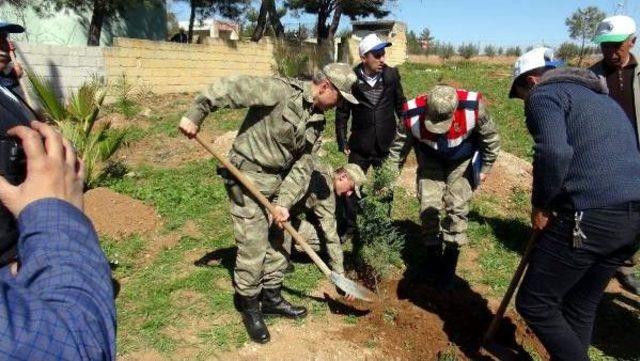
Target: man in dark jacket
373,121
620,71
585,200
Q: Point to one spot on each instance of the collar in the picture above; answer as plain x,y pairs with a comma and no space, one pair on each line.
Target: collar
630,65
307,93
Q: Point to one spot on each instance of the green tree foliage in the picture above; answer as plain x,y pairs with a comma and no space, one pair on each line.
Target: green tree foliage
500,51
513,51
380,245
100,10
468,51
568,51
490,51
335,9
582,25
413,44
76,118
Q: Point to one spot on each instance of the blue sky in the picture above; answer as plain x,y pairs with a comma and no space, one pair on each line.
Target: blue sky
499,22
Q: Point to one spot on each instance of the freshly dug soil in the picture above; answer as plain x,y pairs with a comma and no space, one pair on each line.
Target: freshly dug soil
420,323
118,216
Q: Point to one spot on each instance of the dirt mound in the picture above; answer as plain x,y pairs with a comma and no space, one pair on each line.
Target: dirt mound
508,173
119,216
419,323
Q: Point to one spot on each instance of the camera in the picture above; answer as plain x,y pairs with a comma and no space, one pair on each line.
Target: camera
13,167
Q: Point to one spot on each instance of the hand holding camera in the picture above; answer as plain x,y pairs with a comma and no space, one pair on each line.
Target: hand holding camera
53,169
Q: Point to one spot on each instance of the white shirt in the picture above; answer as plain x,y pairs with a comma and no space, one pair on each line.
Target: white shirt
371,79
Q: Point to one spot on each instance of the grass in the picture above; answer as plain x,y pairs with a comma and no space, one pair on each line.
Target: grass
171,305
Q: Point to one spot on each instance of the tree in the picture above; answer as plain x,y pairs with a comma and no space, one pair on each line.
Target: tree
173,26
324,9
413,44
468,51
101,11
426,39
582,25
500,51
268,12
490,51
568,51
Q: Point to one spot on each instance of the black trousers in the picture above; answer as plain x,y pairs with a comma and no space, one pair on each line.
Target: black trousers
348,206
564,283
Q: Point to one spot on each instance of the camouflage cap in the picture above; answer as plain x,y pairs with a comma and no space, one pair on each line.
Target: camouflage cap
343,78
442,103
356,174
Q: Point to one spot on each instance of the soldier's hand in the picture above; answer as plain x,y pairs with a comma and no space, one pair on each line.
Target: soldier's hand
281,216
539,219
483,176
347,151
188,128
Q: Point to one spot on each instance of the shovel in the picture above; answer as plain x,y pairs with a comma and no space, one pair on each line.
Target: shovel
345,284
488,345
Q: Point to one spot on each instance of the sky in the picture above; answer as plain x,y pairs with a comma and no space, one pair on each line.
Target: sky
497,22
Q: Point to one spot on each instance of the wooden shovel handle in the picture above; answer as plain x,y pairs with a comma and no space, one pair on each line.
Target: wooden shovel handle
515,281
265,203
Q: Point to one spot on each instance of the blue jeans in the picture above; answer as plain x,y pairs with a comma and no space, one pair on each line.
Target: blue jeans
562,288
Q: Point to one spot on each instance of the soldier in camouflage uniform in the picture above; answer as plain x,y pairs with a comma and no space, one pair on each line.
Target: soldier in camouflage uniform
317,201
446,127
273,149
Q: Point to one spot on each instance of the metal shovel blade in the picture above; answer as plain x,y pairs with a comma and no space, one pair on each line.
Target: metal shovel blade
351,288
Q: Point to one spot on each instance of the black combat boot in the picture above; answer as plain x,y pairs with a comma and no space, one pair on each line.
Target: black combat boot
433,262
448,269
273,304
629,282
253,319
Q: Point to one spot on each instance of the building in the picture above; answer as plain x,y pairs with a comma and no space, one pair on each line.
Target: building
215,29
70,28
389,30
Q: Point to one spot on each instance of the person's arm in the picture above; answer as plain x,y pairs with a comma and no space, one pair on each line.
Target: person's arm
63,290
240,91
60,305
325,212
552,152
401,146
488,139
343,112
399,98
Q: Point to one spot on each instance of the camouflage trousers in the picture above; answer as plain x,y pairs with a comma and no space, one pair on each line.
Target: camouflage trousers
261,258
309,231
443,188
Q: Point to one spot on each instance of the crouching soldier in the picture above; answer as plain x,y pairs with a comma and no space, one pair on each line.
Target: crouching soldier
275,144
316,200
446,127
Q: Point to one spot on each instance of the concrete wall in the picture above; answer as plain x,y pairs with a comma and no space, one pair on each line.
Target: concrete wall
165,67
396,54
66,67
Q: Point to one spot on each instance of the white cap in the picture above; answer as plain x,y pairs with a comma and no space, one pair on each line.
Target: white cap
372,42
533,59
614,29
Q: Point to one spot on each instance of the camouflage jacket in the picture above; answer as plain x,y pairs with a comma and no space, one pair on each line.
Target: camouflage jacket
317,200
487,137
281,129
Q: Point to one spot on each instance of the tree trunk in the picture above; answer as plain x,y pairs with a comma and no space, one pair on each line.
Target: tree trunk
97,19
262,22
337,14
192,19
581,52
323,15
278,29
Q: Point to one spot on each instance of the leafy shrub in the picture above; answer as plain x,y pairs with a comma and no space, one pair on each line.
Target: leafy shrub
446,51
76,118
490,51
568,51
514,51
468,51
124,93
378,252
291,60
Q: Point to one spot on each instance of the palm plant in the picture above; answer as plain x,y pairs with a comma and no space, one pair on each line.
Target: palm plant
76,118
